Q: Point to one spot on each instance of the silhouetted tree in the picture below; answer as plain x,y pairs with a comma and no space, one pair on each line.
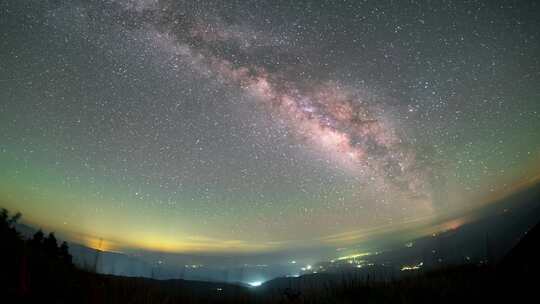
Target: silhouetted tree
64,253
4,214
34,270
51,244
6,224
38,237
14,219
11,250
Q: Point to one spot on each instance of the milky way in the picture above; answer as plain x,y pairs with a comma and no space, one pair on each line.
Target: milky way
262,126
327,115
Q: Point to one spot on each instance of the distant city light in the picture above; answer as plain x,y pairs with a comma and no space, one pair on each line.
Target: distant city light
413,267
255,283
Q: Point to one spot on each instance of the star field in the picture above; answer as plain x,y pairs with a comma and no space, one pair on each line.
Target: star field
259,126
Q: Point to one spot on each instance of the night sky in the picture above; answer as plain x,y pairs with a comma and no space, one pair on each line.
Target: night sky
262,126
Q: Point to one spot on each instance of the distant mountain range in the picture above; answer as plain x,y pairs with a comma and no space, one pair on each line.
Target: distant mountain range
500,227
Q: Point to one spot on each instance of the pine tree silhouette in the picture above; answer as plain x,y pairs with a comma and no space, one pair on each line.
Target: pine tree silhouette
38,238
64,253
51,245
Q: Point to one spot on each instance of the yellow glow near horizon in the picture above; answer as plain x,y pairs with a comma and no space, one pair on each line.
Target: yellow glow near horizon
107,235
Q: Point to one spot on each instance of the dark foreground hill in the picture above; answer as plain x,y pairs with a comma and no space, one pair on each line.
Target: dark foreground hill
525,256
